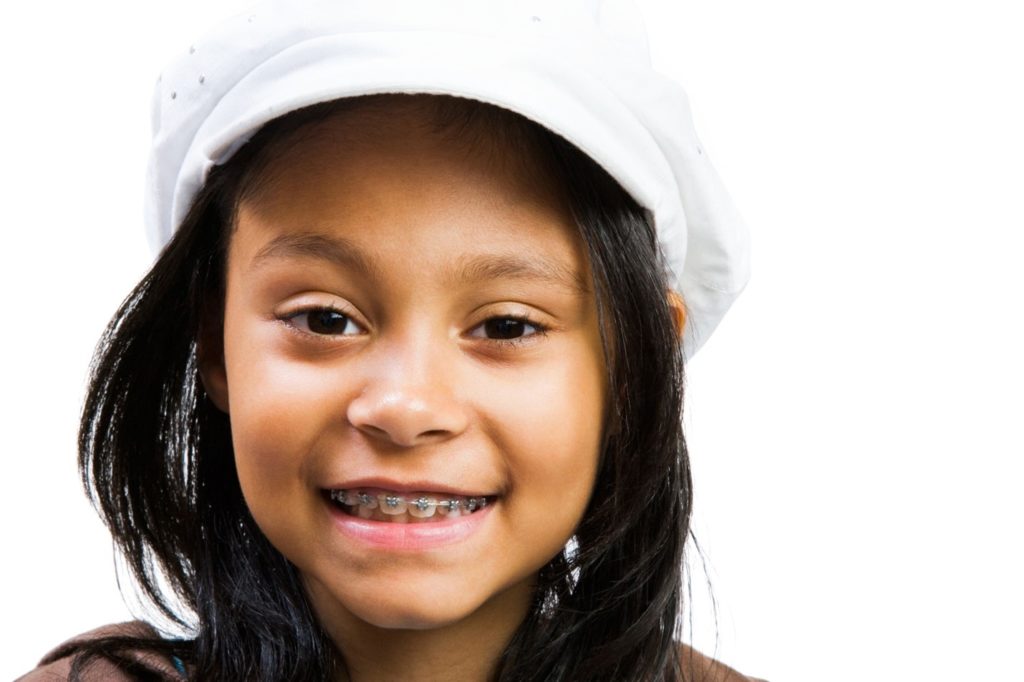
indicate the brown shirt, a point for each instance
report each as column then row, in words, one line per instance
column 56, row 665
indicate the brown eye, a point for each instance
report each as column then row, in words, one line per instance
column 504, row 328
column 327, row 322
column 508, row 329
column 324, row 322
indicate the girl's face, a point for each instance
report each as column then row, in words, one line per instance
column 412, row 322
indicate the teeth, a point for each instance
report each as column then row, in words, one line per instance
column 392, row 505
column 449, row 507
column 399, row 508
column 423, row 507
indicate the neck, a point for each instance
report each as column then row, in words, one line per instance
column 467, row 649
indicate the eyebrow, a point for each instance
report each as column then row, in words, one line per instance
column 470, row 269
column 337, row 251
column 486, row 267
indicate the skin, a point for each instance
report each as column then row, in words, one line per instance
column 412, row 386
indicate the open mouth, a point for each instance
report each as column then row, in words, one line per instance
column 393, row 507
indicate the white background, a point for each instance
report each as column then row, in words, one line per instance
column 855, row 423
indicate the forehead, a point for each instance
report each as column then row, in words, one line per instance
column 395, row 184
column 416, row 131
column 380, row 188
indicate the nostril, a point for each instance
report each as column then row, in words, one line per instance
column 398, row 436
column 374, row 431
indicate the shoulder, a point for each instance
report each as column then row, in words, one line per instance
column 699, row 668
column 55, row 666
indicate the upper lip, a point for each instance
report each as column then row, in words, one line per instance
column 406, row 487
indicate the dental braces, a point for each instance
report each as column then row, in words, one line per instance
column 421, row 502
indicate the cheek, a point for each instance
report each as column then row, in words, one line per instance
column 549, row 425
column 278, row 409
column 275, row 402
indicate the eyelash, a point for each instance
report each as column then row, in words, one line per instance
column 289, row 319
column 540, row 330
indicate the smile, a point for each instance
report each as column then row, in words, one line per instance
column 396, row 507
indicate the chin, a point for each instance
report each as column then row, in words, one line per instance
column 408, row 620
column 418, row 613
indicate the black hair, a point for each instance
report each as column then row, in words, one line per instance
column 156, row 457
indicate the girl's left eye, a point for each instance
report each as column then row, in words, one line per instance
column 323, row 322
column 507, row 329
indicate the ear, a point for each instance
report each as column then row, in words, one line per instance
column 210, row 358
column 678, row 309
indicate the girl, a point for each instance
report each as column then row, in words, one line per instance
column 400, row 397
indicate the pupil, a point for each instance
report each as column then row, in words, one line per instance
column 326, row 321
column 504, row 328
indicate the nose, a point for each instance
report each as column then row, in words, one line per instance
column 408, row 398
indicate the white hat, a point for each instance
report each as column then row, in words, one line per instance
column 581, row 68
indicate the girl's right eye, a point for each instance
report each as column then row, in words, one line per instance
column 323, row 322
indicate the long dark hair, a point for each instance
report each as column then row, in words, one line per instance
column 156, row 455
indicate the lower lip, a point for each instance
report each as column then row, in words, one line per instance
column 408, row 536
